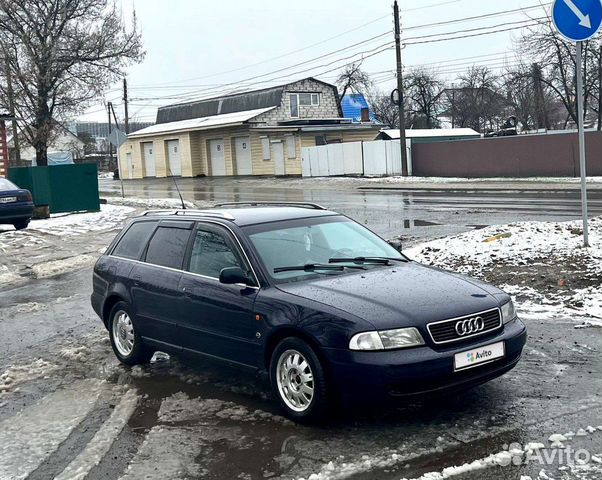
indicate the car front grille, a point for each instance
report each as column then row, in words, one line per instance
column 445, row 331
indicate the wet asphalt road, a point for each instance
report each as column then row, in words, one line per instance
column 224, row 426
column 413, row 214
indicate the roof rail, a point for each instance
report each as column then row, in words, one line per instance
column 203, row 213
column 314, row 206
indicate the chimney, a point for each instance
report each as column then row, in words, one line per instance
column 365, row 115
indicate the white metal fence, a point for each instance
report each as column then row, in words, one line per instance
column 376, row 158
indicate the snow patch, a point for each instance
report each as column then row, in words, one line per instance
column 160, row 203
column 57, row 267
column 167, row 452
column 181, row 408
column 16, row 375
column 32, row 435
column 97, row 448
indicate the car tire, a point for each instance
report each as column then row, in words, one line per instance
column 21, row 224
column 125, row 338
column 302, row 400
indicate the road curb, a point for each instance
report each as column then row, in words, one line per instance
column 473, row 188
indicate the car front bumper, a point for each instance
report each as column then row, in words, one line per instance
column 422, row 370
column 10, row 212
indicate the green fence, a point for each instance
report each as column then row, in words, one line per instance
column 64, row 188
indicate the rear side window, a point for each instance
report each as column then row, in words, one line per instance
column 168, row 247
column 134, row 240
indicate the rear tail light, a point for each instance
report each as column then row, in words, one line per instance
column 25, row 197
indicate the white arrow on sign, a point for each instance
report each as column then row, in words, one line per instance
column 583, row 19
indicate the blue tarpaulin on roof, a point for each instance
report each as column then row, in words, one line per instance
column 352, row 105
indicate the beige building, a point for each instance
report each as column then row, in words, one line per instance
column 252, row 133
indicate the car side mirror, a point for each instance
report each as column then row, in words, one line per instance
column 395, row 243
column 232, row 275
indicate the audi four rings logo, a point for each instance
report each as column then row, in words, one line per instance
column 470, row 325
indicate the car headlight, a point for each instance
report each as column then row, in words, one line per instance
column 508, row 312
column 386, row 339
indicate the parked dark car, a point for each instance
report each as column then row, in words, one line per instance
column 328, row 308
column 16, row 205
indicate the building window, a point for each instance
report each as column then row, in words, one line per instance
column 294, row 106
column 304, row 100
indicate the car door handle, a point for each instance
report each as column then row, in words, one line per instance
column 137, row 279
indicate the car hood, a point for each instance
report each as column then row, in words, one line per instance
column 408, row 294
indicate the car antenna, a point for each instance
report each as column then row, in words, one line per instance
column 177, row 188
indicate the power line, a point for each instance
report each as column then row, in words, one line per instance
column 476, row 29
column 363, row 54
column 469, row 36
column 477, row 17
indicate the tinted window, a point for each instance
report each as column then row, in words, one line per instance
column 133, row 242
column 167, row 247
column 6, row 185
column 211, row 252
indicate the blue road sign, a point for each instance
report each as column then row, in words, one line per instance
column 577, row 20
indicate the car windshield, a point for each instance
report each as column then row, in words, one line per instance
column 317, row 242
column 6, row 185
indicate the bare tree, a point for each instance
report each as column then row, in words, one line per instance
column 353, row 80
column 385, row 111
column 62, row 54
column 530, row 100
column 476, row 101
column 556, row 56
column 424, row 91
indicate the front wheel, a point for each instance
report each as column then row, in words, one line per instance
column 299, row 381
column 125, row 339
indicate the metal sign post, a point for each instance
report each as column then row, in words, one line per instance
column 579, row 69
column 579, row 20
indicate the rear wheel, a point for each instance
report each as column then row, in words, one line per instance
column 21, row 224
column 125, row 339
column 299, row 381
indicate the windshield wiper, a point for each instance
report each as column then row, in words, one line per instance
column 376, row 260
column 312, row 267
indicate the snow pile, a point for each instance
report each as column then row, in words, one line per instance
column 159, row 203
column 57, row 267
column 524, row 245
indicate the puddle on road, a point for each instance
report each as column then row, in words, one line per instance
column 419, row 223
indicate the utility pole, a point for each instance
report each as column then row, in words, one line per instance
column 125, row 105
column 11, row 108
column 108, row 141
column 402, row 130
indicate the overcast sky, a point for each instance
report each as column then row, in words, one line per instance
column 198, row 48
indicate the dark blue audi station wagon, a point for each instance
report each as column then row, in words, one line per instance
column 328, row 308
